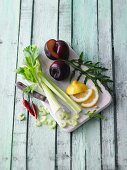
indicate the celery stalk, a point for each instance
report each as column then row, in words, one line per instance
column 55, row 106
column 61, row 94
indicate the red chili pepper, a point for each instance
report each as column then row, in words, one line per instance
column 35, row 110
column 27, row 106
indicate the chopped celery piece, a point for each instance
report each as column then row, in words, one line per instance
column 43, row 119
column 75, row 116
column 67, row 116
column 69, row 122
column 46, row 109
column 64, row 116
column 38, row 123
column 72, row 123
column 21, row 117
column 49, row 121
column 52, row 125
column 43, row 110
column 63, row 124
column 42, row 113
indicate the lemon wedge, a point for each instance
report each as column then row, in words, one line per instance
column 92, row 100
column 82, row 97
column 76, row 87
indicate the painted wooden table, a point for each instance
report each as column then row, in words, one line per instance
column 97, row 27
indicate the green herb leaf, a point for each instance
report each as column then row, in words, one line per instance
column 20, row 70
column 95, row 115
column 94, row 71
column 81, row 57
column 31, row 53
column 72, row 74
column 29, row 89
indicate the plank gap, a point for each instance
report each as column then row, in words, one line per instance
column 101, row 144
column 71, row 22
column 15, row 85
column 27, row 135
column 98, row 60
column 32, row 22
column 85, row 161
column 71, row 151
column 56, row 156
column 27, row 129
column 114, row 90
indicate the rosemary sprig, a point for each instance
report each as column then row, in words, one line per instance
column 93, row 71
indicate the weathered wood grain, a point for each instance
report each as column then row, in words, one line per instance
column 105, row 56
column 120, row 58
column 41, row 141
column 19, row 155
column 63, row 138
column 86, row 140
column 9, row 26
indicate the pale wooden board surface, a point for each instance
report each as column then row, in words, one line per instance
column 96, row 145
column 19, row 154
column 105, row 56
column 9, row 27
column 120, row 58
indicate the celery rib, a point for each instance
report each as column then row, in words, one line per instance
column 55, row 106
column 61, row 94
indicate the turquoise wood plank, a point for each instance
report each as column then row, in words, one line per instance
column 41, row 142
column 20, row 128
column 105, row 56
column 120, row 57
column 86, row 140
column 9, row 26
column 63, row 138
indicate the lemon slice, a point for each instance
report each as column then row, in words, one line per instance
column 76, row 87
column 92, row 100
column 82, row 97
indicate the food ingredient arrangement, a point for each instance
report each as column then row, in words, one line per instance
column 77, row 95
